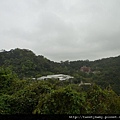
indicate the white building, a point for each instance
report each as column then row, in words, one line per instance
column 57, row 76
column 84, row 83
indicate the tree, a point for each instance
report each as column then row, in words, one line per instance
column 103, row 101
column 62, row 101
column 6, row 79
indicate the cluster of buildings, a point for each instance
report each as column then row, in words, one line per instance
column 62, row 77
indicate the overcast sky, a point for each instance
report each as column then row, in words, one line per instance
column 62, row 29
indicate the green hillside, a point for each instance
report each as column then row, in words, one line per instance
column 53, row 97
column 28, row 65
column 20, row 94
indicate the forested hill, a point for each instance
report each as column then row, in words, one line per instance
column 20, row 94
column 26, row 64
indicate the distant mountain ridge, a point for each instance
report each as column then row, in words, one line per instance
column 25, row 59
column 26, row 64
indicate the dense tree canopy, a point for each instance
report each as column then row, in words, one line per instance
column 54, row 97
column 20, row 94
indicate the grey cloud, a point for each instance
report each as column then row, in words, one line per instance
column 62, row 30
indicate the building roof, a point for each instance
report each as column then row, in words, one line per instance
column 84, row 83
column 85, row 69
column 57, row 76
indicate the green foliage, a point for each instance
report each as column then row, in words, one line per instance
column 103, row 101
column 4, row 104
column 44, row 97
column 23, row 102
column 27, row 65
column 62, row 101
column 28, row 96
column 26, row 99
column 6, row 79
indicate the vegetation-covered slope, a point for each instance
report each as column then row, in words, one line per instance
column 53, row 97
column 20, row 94
column 27, row 65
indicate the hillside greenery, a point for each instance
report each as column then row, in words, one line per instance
column 20, row 94
column 54, row 97
column 26, row 64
